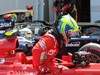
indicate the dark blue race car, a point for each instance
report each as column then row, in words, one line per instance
column 87, row 40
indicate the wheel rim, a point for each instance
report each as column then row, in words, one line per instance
column 93, row 58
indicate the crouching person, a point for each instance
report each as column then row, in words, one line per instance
column 52, row 42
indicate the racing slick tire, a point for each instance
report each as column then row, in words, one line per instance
column 94, row 49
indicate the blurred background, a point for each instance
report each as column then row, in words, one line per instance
column 88, row 10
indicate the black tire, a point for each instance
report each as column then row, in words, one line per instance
column 94, row 49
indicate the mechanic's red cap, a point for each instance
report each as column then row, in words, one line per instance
column 7, row 17
column 29, row 7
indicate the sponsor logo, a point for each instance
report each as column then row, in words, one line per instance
column 5, row 25
column 73, row 44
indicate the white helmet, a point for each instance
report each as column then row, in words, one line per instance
column 26, row 32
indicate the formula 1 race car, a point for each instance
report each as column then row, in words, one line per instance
column 87, row 40
column 70, row 65
column 17, row 63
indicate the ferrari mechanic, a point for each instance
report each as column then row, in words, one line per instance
column 52, row 43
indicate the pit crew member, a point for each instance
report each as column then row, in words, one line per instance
column 53, row 42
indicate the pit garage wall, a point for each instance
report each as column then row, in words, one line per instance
column 95, row 11
column 83, row 7
column 44, row 10
column 38, row 6
column 48, row 12
column 38, row 9
column 8, row 5
column 52, row 13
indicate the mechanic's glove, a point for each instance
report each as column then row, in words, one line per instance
column 80, row 59
column 44, row 69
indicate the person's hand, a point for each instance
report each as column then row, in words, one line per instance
column 43, row 69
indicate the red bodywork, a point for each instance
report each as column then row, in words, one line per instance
column 8, row 44
column 7, row 49
column 20, row 64
column 27, row 69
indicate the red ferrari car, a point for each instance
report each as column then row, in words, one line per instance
column 12, row 63
column 22, row 65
